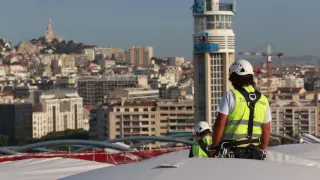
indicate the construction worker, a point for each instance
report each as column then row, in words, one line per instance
column 203, row 141
column 243, row 116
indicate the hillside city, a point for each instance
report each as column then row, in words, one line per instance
column 52, row 87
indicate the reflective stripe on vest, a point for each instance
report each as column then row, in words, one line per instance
column 237, row 125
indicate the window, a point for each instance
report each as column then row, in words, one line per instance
column 145, row 122
column 126, row 109
column 136, row 110
column 219, row 22
column 200, row 23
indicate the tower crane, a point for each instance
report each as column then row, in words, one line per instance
column 268, row 56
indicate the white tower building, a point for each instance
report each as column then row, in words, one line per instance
column 214, row 51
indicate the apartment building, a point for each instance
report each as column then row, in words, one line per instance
column 139, row 55
column 68, row 81
column 63, row 108
column 262, row 84
column 143, row 118
column 312, row 81
column 175, row 61
column 173, row 92
column 90, row 54
column 93, row 89
column 293, row 112
column 39, row 124
column 133, row 93
column 292, row 118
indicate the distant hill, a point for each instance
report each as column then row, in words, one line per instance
column 286, row 61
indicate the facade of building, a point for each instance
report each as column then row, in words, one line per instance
column 16, row 120
column 138, row 55
column 94, row 89
column 312, row 82
column 99, row 122
column 133, row 93
column 294, row 111
column 64, row 110
column 142, row 118
column 176, row 61
column 213, row 53
column 90, row 54
column 39, row 124
column 293, row 118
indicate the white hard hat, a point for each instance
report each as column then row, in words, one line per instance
column 241, row 67
column 301, row 141
column 202, row 126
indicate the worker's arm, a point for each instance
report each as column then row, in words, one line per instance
column 265, row 137
column 218, row 128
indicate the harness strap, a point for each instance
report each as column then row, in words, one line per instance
column 204, row 147
column 251, row 98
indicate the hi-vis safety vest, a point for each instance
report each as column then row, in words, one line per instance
column 199, row 152
column 237, row 124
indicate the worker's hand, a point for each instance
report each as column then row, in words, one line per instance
column 263, row 154
column 212, row 153
column 213, row 150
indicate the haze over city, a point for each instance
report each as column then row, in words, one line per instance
column 289, row 25
column 171, row 90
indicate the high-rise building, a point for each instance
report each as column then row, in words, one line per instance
column 16, row 120
column 214, row 51
column 139, row 55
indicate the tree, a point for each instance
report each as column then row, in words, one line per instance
column 4, row 140
column 67, row 134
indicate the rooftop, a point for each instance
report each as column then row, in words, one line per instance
column 294, row 162
column 136, row 103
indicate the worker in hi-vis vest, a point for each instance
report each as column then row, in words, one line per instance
column 243, row 116
column 203, row 141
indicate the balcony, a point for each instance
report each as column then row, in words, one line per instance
column 209, row 6
column 226, row 7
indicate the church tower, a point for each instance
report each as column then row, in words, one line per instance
column 49, row 32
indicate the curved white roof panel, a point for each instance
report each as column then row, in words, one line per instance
column 308, row 151
column 294, row 162
column 48, row 169
column 177, row 165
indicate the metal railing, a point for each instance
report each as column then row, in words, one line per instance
column 209, row 6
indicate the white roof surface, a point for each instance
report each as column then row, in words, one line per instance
column 177, row 165
column 308, row 151
column 46, row 168
column 294, row 162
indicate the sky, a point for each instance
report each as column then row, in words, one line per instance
column 290, row 26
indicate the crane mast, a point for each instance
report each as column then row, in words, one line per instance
column 269, row 56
